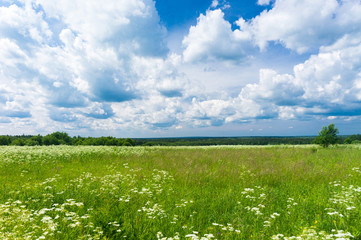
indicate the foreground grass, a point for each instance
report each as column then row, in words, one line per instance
column 281, row 192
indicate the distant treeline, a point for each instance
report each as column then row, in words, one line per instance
column 62, row 138
column 208, row 141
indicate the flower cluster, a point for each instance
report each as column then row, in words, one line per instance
column 309, row 233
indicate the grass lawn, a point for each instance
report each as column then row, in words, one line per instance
column 229, row 192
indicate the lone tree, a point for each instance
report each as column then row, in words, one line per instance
column 327, row 136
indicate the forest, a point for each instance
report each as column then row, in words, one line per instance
column 63, row 138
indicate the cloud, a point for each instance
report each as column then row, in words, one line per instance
column 304, row 30
column 271, row 88
column 72, row 62
column 18, row 114
column 213, row 39
column 332, row 76
column 171, row 93
column 94, row 45
column 209, row 112
column 263, row 2
column 304, row 26
column 10, row 53
column 160, row 76
column 61, row 115
column 214, row 4
column 129, row 26
column 99, row 111
column 220, row 4
column 22, row 22
column 152, row 112
column 326, row 84
column 105, row 66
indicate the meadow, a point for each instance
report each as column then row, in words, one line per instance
column 223, row 192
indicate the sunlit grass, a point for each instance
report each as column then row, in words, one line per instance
column 220, row 192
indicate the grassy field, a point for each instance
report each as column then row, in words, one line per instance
column 281, row 192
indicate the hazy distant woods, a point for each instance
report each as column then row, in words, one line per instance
column 62, row 138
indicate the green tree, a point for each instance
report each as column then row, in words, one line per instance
column 327, row 136
column 18, row 142
column 129, row 142
column 5, row 140
column 31, row 142
column 38, row 139
column 50, row 140
column 62, row 137
column 353, row 139
column 77, row 140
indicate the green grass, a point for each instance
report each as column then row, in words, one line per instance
column 270, row 192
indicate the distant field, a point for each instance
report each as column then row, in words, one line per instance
column 222, row 192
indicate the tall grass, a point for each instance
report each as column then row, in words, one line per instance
column 282, row 192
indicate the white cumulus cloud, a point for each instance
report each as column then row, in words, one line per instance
column 214, row 4
column 263, row 2
column 327, row 83
column 213, row 38
column 304, row 26
column 90, row 65
column 76, row 58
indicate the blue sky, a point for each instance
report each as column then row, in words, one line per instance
column 176, row 13
column 144, row 68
